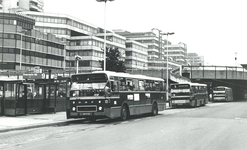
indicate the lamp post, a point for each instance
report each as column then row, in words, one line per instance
column 104, row 31
column 168, row 33
column 77, row 57
column 64, row 55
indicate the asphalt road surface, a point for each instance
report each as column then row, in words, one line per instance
column 217, row 126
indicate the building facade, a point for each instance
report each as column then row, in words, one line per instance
column 141, row 50
column 136, row 55
column 82, row 38
column 24, row 48
column 22, row 5
column 156, row 49
column 153, row 46
column 177, row 53
column 195, row 60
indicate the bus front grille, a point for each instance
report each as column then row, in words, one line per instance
column 89, row 108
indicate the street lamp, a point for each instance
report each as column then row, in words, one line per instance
column 168, row 33
column 77, row 57
column 104, row 31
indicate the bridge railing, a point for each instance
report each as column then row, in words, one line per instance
column 215, row 72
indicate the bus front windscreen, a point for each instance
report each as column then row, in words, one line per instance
column 87, row 89
column 86, row 78
column 180, row 86
column 180, row 89
column 219, row 89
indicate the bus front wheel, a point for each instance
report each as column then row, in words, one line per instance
column 124, row 113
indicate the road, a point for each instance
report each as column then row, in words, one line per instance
column 217, row 126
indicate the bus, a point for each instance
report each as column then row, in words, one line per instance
column 106, row 94
column 189, row 94
column 222, row 93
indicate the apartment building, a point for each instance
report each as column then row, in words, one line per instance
column 24, row 48
column 136, row 55
column 141, row 50
column 22, row 5
column 82, row 38
column 153, row 46
column 157, row 49
column 177, row 53
column 194, row 59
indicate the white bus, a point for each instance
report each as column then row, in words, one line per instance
column 190, row 94
column 222, row 93
column 113, row 95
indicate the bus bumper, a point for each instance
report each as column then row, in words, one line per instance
column 85, row 115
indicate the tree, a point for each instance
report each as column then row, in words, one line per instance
column 113, row 60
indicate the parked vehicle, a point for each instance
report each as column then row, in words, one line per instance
column 110, row 94
column 222, row 93
column 190, row 94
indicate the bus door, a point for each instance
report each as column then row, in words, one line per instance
column 21, row 101
column 1, row 99
column 133, row 96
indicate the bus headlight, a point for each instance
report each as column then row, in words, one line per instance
column 73, row 102
column 100, row 108
column 73, row 108
column 99, row 102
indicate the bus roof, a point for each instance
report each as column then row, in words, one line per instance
column 222, row 87
column 190, row 83
column 126, row 75
column 9, row 80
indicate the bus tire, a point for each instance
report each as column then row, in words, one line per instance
column 154, row 109
column 204, row 102
column 124, row 113
column 195, row 103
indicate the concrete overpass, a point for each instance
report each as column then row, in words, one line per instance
column 234, row 77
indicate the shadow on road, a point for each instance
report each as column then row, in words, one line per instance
column 108, row 120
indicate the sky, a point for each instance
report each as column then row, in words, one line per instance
column 215, row 29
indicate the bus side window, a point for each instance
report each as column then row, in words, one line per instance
column 153, row 86
column 114, row 84
column 135, row 86
column 161, row 86
column 132, row 84
column 122, row 84
column 157, row 86
column 141, row 85
column 147, row 85
column 192, row 89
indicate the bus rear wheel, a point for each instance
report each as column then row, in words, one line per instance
column 194, row 104
column 124, row 113
column 154, row 109
column 204, row 102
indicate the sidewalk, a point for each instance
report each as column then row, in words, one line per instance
column 34, row 121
